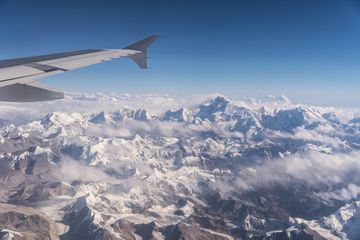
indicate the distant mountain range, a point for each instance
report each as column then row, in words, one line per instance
column 215, row 169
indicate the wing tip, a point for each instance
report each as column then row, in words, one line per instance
column 142, row 45
column 141, row 58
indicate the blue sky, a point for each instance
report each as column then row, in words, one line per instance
column 308, row 50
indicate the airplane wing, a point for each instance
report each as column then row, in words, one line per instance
column 17, row 76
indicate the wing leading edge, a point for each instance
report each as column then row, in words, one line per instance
column 17, row 76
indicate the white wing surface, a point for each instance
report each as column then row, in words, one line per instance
column 17, row 76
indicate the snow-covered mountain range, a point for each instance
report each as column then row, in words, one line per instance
column 158, row 167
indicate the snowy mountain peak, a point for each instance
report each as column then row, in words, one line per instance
column 120, row 115
column 345, row 221
column 290, row 119
column 219, row 103
column 61, row 118
column 342, row 224
column 101, row 118
column 219, row 108
column 142, row 115
column 182, row 115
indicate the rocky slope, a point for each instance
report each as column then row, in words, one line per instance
column 219, row 169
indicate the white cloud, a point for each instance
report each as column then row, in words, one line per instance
column 313, row 168
column 70, row 170
column 350, row 192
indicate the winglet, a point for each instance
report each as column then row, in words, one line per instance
column 141, row 58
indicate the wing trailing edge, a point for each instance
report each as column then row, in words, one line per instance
column 30, row 92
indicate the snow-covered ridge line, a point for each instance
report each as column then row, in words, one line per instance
column 154, row 104
column 220, row 115
column 216, row 167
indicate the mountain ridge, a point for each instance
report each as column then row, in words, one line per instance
column 213, row 170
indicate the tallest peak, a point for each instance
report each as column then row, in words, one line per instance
column 219, row 99
column 219, row 102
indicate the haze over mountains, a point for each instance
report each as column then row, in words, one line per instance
column 158, row 167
